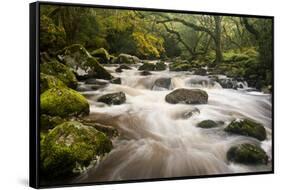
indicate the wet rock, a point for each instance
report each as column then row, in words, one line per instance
column 247, row 127
column 207, row 124
column 113, row 98
column 145, row 73
column 147, row 67
column 49, row 81
column 70, row 147
column 121, row 67
column 187, row 96
column 200, row 71
column 106, row 129
column 162, row 84
column 160, row 66
column 247, row 154
column 127, row 59
column 49, row 122
column 116, row 81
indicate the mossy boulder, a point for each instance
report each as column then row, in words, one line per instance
column 102, row 55
column 180, row 66
column 145, row 73
column 116, row 98
column 82, row 63
column 116, row 81
column 49, row 81
column 71, row 147
column 247, row 127
column 147, row 67
column 206, row 124
column 127, row 59
column 160, row 66
column 52, row 37
column 187, row 96
column 63, row 102
column 247, row 154
column 60, row 71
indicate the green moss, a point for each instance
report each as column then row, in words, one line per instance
column 63, row 102
column 160, row 66
column 49, row 122
column 60, row 71
column 48, row 81
column 147, row 67
column 98, row 70
column 179, row 66
column 247, row 127
column 102, row 54
column 247, row 154
column 70, row 147
column 207, row 124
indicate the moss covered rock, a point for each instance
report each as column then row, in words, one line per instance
column 49, row 122
column 247, row 154
column 102, row 55
column 207, row 124
column 127, row 59
column 162, row 84
column 60, row 71
column 113, row 98
column 187, row 96
column 247, row 127
column 160, row 66
column 180, row 66
column 70, row 147
column 82, row 63
column 49, row 81
column 147, row 67
column 63, row 102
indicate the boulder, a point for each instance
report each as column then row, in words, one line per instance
column 200, row 71
column 187, row 96
column 247, row 127
column 63, row 102
column 82, row 63
column 160, row 66
column 116, row 81
column 49, row 122
column 69, row 148
column 49, row 81
column 113, row 98
column 247, row 154
column 147, row 67
column 102, row 55
column 145, row 73
column 60, row 71
column 162, row 84
column 127, row 59
column 207, row 124
column 121, row 67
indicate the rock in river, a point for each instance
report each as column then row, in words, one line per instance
column 187, row 96
column 113, row 98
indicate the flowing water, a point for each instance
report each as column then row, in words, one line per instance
column 159, row 140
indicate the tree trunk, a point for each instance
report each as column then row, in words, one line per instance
column 217, row 39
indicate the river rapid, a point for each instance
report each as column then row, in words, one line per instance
column 159, row 140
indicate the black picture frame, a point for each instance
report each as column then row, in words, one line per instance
column 34, row 92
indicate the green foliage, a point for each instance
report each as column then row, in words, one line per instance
column 48, row 81
column 63, row 102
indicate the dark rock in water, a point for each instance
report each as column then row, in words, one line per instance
column 113, row 98
column 82, row 63
column 116, row 81
column 118, row 70
column 207, row 124
column 247, row 127
column 160, row 66
column 102, row 55
column 96, row 81
column 180, row 66
column 97, row 87
column 200, row 71
column 60, row 71
column 147, row 67
column 69, row 147
column 247, row 154
column 228, row 83
column 63, row 102
column 162, row 83
column 127, row 59
column 187, row 96
column 145, row 73
column 186, row 114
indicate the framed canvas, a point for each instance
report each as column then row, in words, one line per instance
column 121, row 94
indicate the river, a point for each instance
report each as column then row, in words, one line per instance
column 159, row 140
